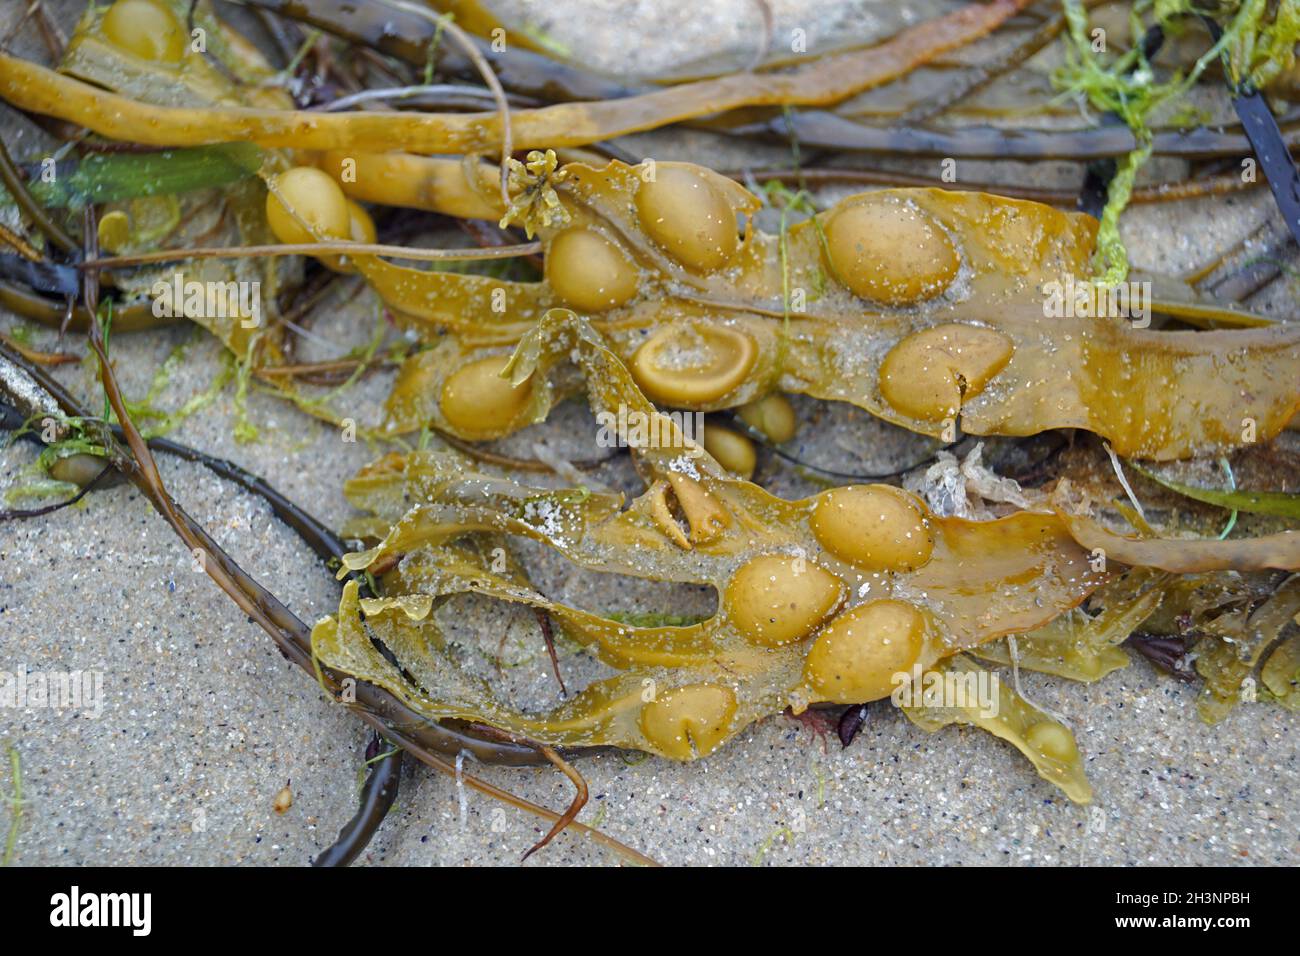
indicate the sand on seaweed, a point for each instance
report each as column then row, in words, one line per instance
column 202, row 722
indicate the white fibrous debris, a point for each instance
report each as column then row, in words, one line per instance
column 1119, row 473
column 460, row 787
column 964, row 489
column 1065, row 497
column 565, row 469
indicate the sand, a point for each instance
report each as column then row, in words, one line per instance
column 201, row 722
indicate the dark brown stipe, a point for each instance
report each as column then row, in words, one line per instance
column 378, row 794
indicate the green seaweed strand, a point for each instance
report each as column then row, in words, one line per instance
column 1128, row 89
column 16, row 806
column 147, row 407
column 1258, row 54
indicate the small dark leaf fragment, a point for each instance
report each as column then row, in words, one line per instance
column 851, row 722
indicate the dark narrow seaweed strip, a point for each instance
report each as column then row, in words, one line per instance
column 611, row 149
column 1247, row 281
column 580, row 796
column 821, row 129
column 1274, row 156
column 380, row 788
column 548, row 635
column 292, row 636
column 375, row 706
column 1190, row 188
column 478, row 453
column 735, row 422
column 978, row 77
column 16, row 27
column 1268, row 143
column 60, row 505
column 314, row 533
column 209, row 57
column 377, row 796
column 13, row 182
column 1250, row 275
column 306, row 298
column 318, row 536
column 52, row 36
column 435, row 100
column 279, row 35
column 406, row 38
column 263, row 607
column 130, row 318
column 40, row 276
column 1254, row 275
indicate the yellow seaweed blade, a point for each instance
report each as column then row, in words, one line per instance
column 1048, row 744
